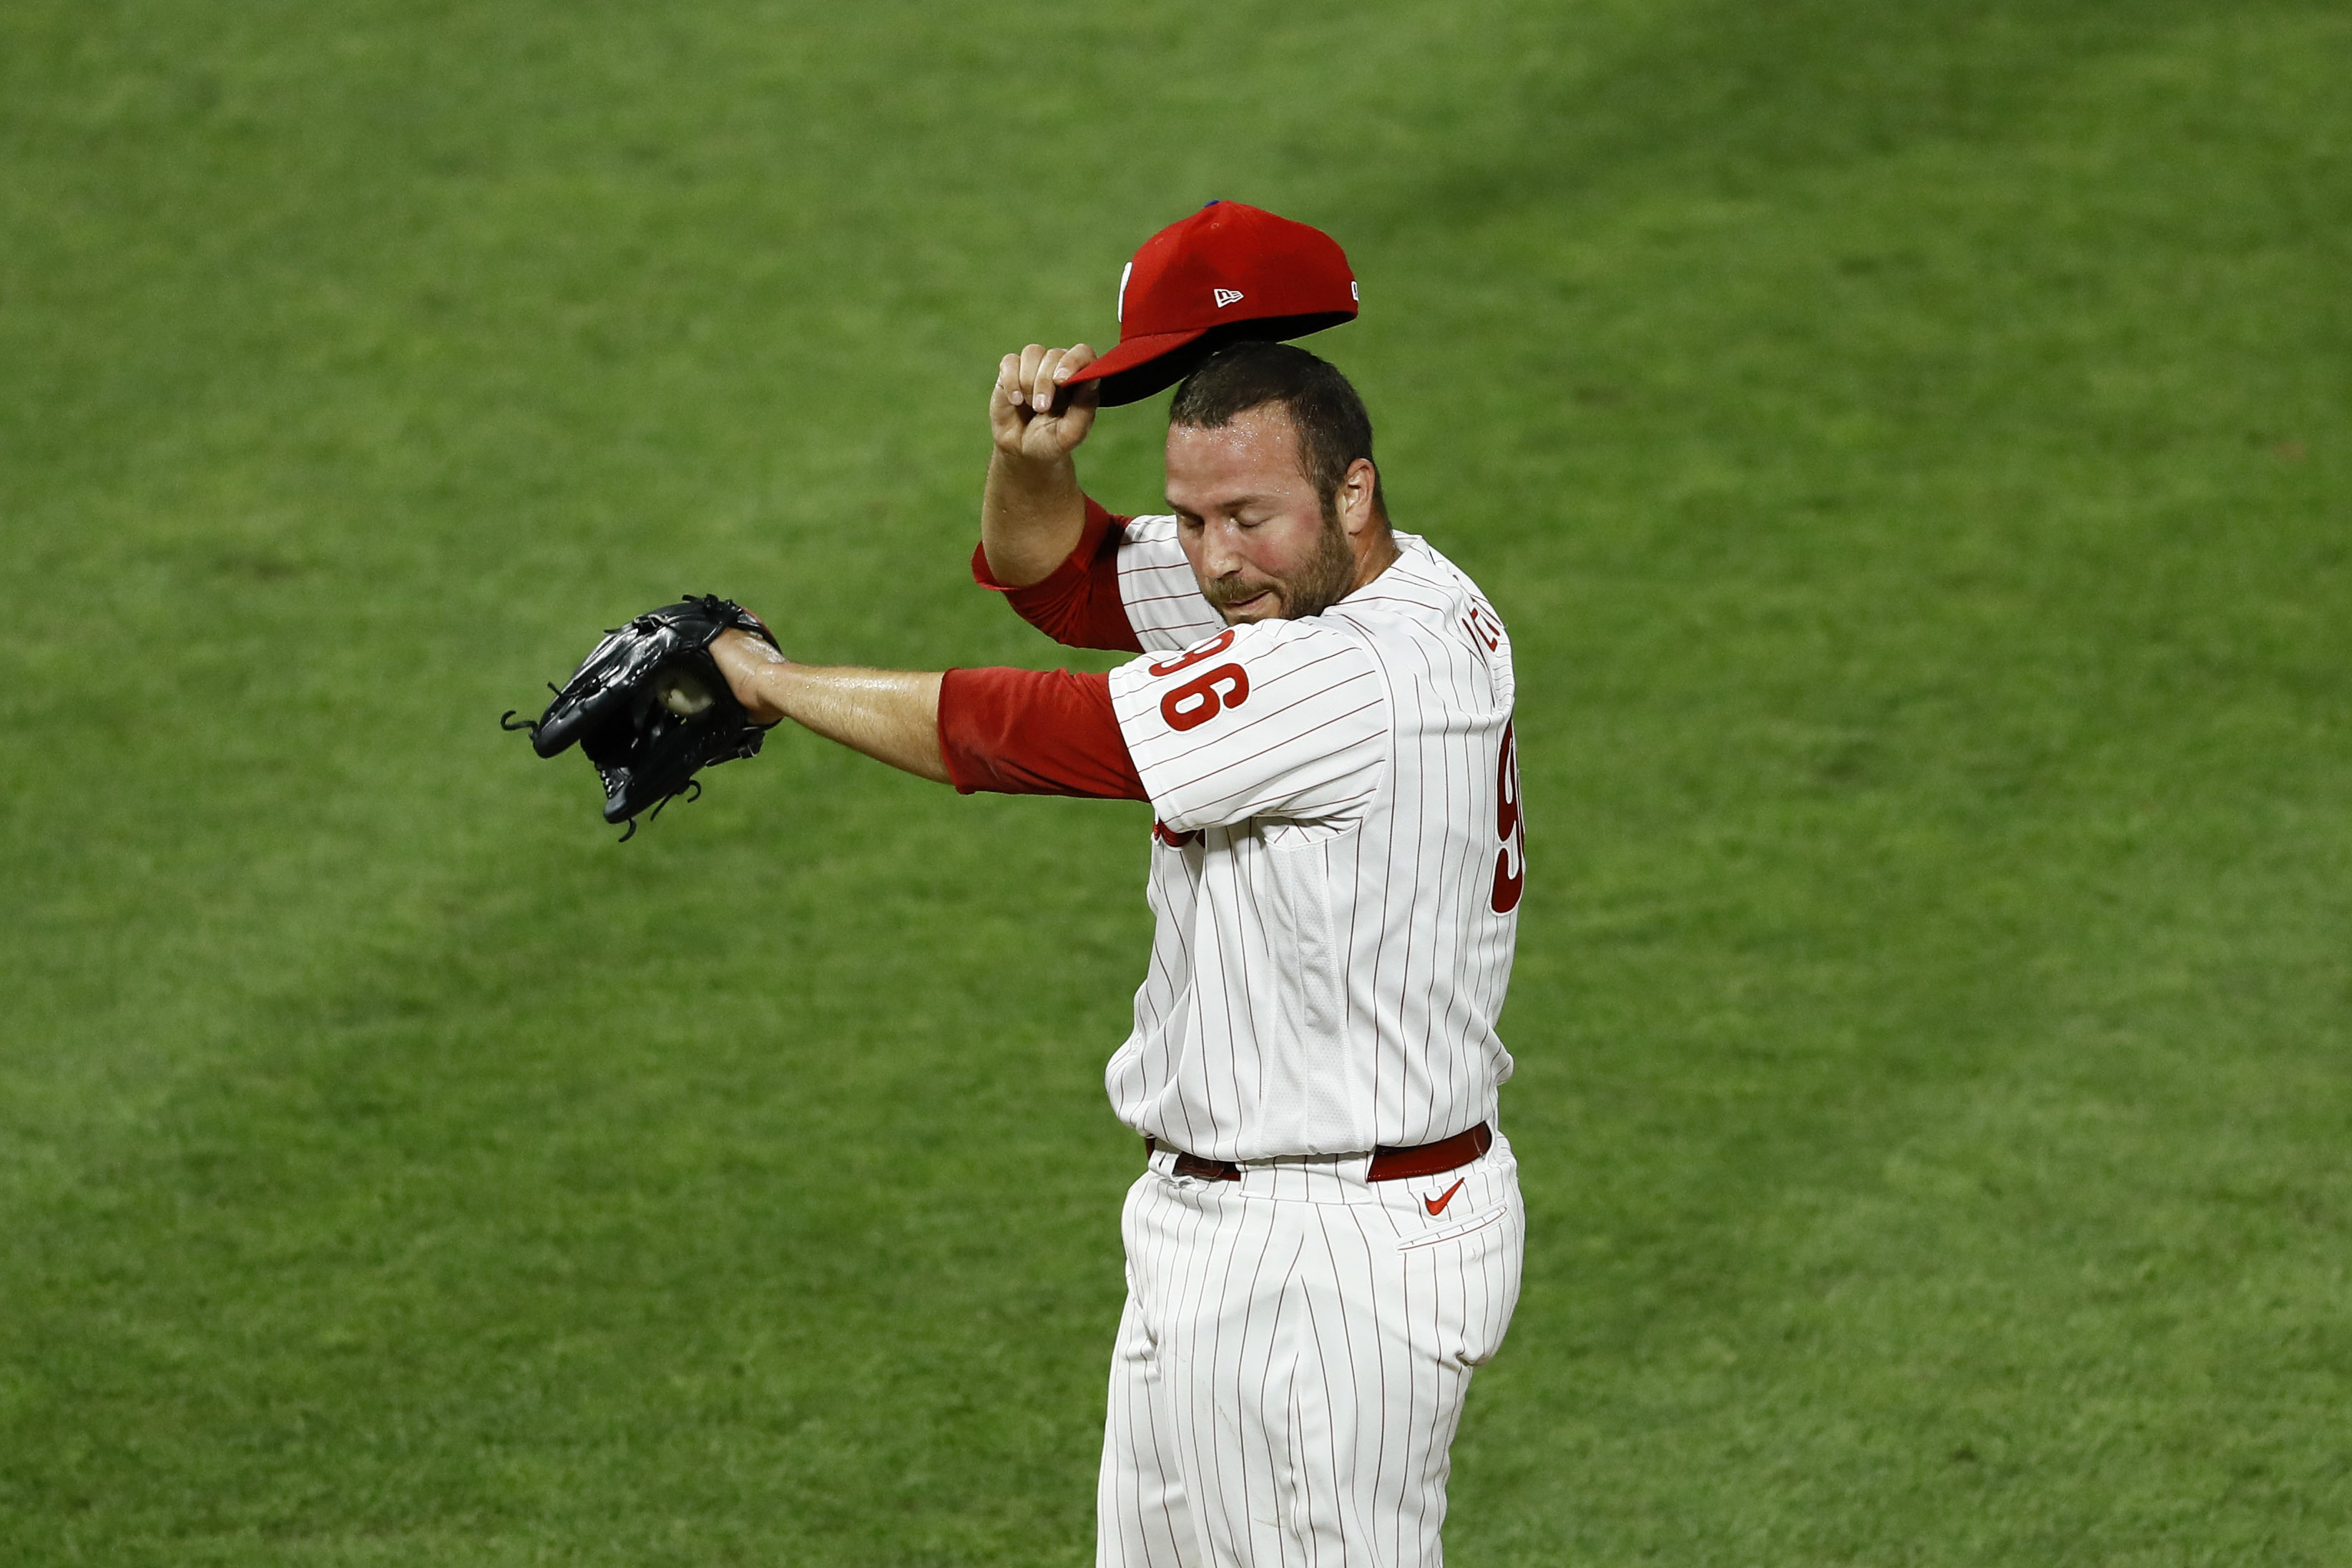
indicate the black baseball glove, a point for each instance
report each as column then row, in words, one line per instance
column 650, row 707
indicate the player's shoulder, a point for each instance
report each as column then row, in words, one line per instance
column 1156, row 588
column 1307, row 641
column 1311, row 673
column 1148, row 530
column 1421, row 589
column 1148, row 545
column 1425, row 613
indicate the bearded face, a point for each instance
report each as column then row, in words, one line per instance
column 1328, row 577
column 1264, row 546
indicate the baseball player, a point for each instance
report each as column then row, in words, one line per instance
column 1327, row 1238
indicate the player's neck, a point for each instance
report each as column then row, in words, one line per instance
column 1376, row 555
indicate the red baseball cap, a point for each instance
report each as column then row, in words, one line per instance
column 1227, row 273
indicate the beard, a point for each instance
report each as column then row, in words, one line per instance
column 1327, row 579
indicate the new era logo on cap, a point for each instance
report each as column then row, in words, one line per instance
column 1228, row 271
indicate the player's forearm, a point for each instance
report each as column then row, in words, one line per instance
column 891, row 715
column 1031, row 515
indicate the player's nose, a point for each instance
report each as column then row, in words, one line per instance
column 1220, row 554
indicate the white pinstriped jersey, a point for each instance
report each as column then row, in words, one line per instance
column 1337, row 866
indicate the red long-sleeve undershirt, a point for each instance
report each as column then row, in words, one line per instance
column 1078, row 605
column 1028, row 732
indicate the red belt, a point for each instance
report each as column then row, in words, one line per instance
column 1388, row 1164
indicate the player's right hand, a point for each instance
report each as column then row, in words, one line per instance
column 1031, row 414
column 749, row 665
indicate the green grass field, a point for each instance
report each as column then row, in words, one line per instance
column 1910, row 442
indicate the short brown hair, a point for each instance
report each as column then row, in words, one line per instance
column 1332, row 427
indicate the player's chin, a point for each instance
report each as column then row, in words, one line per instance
column 1264, row 606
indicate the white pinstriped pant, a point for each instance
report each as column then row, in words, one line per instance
column 1293, row 1358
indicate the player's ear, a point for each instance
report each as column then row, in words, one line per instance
column 1359, row 495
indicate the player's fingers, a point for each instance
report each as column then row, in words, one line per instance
column 1067, row 364
column 1078, row 413
column 1043, row 382
column 1024, row 378
column 1007, row 395
column 1005, row 416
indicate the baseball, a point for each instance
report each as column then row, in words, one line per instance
column 683, row 694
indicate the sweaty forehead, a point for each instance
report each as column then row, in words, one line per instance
column 1253, row 453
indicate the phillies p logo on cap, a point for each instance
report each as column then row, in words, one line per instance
column 1228, row 273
